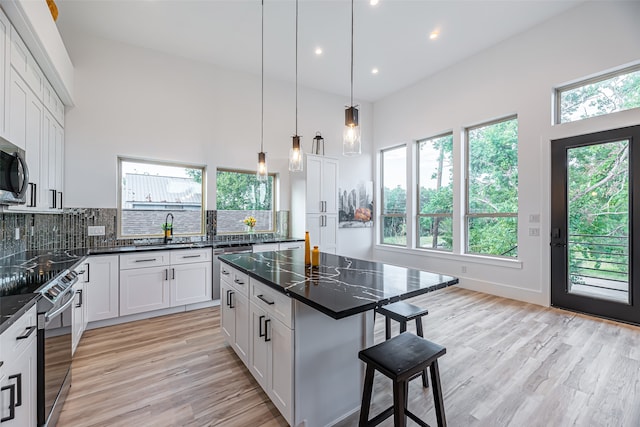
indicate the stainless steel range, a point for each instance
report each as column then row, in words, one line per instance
column 54, row 346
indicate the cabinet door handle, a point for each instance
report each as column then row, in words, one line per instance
column 231, row 294
column 79, row 292
column 18, row 378
column 266, row 300
column 239, row 282
column 266, row 336
column 54, row 198
column 192, row 256
column 32, row 203
column 145, row 260
column 166, row 274
column 225, row 272
column 60, row 207
column 12, row 402
column 260, row 333
column 173, row 274
column 27, row 333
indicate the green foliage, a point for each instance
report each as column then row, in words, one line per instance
column 195, row 174
column 242, row 191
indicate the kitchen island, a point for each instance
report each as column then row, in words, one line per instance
column 299, row 330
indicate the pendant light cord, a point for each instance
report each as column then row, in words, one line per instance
column 296, row 67
column 352, row 53
column 262, row 86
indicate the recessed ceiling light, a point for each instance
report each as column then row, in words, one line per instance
column 318, row 51
column 374, row 71
column 434, row 34
column 373, row 2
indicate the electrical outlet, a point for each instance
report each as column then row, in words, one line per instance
column 534, row 218
column 534, row 232
column 464, row 268
column 95, row 230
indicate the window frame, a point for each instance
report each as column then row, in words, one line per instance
column 119, row 216
column 467, row 214
column 417, row 195
column 382, row 199
column 274, row 198
column 557, row 92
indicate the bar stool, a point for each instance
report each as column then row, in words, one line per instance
column 400, row 359
column 404, row 312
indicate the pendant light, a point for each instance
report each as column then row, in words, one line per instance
column 351, row 144
column 295, row 154
column 262, row 174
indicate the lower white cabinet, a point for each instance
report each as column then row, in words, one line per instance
column 101, row 287
column 234, row 301
column 163, row 279
column 266, row 326
column 18, row 385
column 79, row 314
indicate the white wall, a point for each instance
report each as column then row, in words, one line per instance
column 514, row 77
column 140, row 103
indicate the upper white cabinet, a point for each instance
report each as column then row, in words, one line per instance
column 33, row 119
column 314, row 202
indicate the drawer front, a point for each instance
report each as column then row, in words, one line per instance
column 188, row 256
column 266, row 247
column 235, row 278
column 273, row 302
column 144, row 259
column 16, row 337
column 291, row 245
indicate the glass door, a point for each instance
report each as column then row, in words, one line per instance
column 592, row 223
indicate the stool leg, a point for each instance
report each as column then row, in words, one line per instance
column 366, row 396
column 438, row 402
column 387, row 328
column 425, row 381
column 399, row 404
column 403, row 327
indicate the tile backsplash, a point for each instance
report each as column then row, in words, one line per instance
column 69, row 230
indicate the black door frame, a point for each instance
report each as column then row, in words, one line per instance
column 560, row 297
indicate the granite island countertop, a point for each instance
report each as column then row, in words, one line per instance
column 340, row 286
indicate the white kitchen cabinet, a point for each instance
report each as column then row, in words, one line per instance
column 18, row 383
column 299, row 244
column 144, row 289
column 314, row 202
column 163, row 279
column 265, row 247
column 234, row 301
column 78, row 315
column 53, row 162
column 271, row 345
column 25, row 64
column 5, row 40
column 101, row 287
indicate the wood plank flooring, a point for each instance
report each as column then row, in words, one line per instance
column 508, row 363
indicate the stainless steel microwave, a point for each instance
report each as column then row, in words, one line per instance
column 14, row 174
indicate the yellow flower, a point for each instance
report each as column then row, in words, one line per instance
column 250, row 221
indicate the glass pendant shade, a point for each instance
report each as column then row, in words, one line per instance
column 351, row 144
column 262, row 174
column 295, row 155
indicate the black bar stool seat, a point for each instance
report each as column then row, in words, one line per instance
column 404, row 312
column 400, row 359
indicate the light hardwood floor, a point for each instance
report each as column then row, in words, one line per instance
column 507, row 364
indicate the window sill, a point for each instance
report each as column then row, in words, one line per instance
column 466, row 258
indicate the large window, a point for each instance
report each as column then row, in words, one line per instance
column 604, row 95
column 435, row 193
column 394, row 196
column 492, row 188
column 239, row 195
column 149, row 191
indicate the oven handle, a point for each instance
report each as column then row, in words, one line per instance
column 49, row 315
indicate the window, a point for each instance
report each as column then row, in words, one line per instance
column 149, row 191
column 240, row 195
column 604, row 95
column 394, row 196
column 492, row 188
column 435, row 193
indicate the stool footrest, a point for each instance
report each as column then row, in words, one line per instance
column 414, row 418
column 380, row 417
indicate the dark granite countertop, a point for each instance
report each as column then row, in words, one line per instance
column 341, row 286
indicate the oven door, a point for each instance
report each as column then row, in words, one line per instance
column 54, row 360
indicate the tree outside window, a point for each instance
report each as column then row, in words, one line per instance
column 435, row 193
column 394, row 196
column 492, row 189
column 240, row 195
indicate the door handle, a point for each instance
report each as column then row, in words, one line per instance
column 260, row 333
column 79, row 292
column 266, row 336
column 18, row 378
column 27, row 333
column 231, row 294
column 12, row 402
column 265, row 300
column 173, row 274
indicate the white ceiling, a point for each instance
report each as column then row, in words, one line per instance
column 392, row 36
